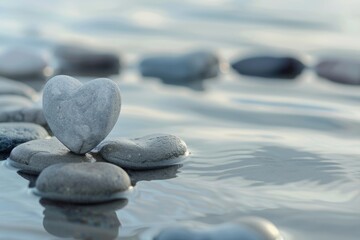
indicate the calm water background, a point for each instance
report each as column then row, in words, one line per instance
column 284, row 150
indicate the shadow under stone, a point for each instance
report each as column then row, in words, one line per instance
column 30, row 177
column 90, row 222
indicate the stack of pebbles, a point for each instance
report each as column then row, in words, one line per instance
column 81, row 116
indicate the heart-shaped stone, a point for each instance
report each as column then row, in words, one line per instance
column 81, row 115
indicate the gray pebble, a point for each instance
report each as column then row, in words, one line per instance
column 10, row 87
column 176, row 69
column 13, row 134
column 83, row 182
column 81, row 115
column 23, row 114
column 36, row 155
column 149, row 152
column 246, row 229
column 10, row 101
column 81, row 61
column 341, row 71
column 20, row 63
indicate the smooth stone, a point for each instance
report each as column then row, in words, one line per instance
column 23, row 114
column 20, row 63
column 269, row 67
column 83, row 182
column 13, row 134
column 34, row 156
column 149, row 152
column 10, row 87
column 341, row 71
column 9, row 101
column 78, row 60
column 246, row 229
column 81, row 115
column 181, row 68
column 76, row 221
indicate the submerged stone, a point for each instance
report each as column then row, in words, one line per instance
column 83, row 182
column 10, row 87
column 149, row 152
column 77, row 60
column 13, row 134
column 177, row 69
column 36, row 155
column 246, row 229
column 269, row 67
column 81, row 115
column 341, row 71
column 19, row 63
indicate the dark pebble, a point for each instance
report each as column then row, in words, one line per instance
column 23, row 114
column 81, row 61
column 340, row 71
column 13, row 134
column 269, row 67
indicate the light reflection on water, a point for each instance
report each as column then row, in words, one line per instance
column 286, row 151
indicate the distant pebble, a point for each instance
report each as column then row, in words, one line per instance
column 9, row 101
column 11, row 87
column 81, row 61
column 149, row 152
column 83, row 182
column 341, row 71
column 23, row 114
column 20, row 63
column 246, row 229
column 269, row 67
column 181, row 68
column 36, row 155
column 13, row 134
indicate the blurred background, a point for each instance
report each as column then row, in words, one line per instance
column 264, row 93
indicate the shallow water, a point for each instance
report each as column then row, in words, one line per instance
column 284, row 150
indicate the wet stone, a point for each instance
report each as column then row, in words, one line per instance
column 13, row 134
column 36, row 155
column 20, row 63
column 269, row 67
column 11, row 87
column 177, row 69
column 23, row 114
column 77, row 60
column 149, row 152
column 81, row 115
column 83, row 182
column 341, row 71
column 246, row 229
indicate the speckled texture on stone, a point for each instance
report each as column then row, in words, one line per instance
column 10, row 101
column 338, row 70
column 13, row 134
column 149, row 152
column 269, row 67
column 19, row 63
column 36, row 155
column 10, row 87
column 82, row 182
column 182, row 68
column 81, row 115
column 23, row 114
column 246, row 229
column 78, row 60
